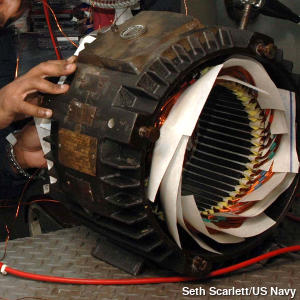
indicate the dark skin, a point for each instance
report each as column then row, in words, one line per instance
column 9, row 10
column 18, row 99
column 28, row 149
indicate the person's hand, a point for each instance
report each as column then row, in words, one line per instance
column 14, row 97
column 28, row 150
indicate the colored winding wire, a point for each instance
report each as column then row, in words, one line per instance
column 261, row 123
column 186, row 7
column 166, row 108
column 264, row 147
column 240, row 73
column 58, row 25
column 17, row 67
column 247, row 100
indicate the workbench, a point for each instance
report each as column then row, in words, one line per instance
column 67, row 253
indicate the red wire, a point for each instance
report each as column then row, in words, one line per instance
column 31, row 202
column 254, row 260
column 219, row 272
column 293, row 217
column 53, row 39
column 59, row 27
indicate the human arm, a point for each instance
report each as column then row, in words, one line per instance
column 14, row 96
column 27, row 152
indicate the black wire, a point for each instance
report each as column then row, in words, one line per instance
column 17, row 212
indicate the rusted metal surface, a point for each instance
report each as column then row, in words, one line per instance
column 77, row 151
column 80, row 190
column 150, row 133
column 81, row 113
column 131, row 55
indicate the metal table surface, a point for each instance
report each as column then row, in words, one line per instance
column 67, row 253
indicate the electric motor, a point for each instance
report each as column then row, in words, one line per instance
column 109, row 130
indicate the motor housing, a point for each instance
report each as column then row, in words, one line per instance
column 103, row 130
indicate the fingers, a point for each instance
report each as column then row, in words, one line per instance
column 35, row 100
column 33, row 110
column 43, row 86
column 53, row 69
column 47, row 87
column 13, row 96
column 72, row 59
column 28, row 138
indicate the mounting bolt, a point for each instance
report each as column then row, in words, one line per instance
column 268, row 51
column 149, row 133
column 199, row 264
column 114, row 27
column 246, row 16
column 248, row 5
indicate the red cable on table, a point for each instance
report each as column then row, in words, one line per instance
column 37, row 277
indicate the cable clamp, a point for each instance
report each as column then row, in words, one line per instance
column 2, row 270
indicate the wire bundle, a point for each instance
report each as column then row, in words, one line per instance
column 231, row 153
column 232, row 140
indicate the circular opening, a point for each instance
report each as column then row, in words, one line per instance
column 223, row 157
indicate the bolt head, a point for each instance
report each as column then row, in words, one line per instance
column 199, row 264
column 150, row 133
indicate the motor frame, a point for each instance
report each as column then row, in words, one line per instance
column 116, row 93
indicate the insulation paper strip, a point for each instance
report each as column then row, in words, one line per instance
column 181, row 121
